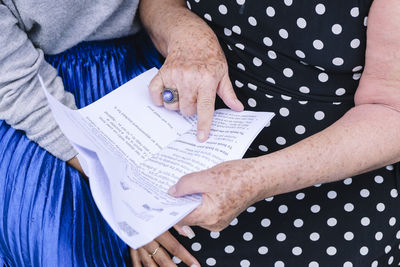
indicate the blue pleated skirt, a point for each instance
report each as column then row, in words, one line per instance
column 47, row 214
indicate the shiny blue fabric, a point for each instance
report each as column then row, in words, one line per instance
column 47, row 214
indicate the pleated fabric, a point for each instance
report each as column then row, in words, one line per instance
column 47, row 214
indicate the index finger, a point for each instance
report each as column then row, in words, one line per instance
column 169, row 242
column 205, row 112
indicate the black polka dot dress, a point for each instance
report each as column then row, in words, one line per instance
column 301, row 59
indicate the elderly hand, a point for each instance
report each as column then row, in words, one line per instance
column 227, row 189
column 155, row 253
column 196, row 67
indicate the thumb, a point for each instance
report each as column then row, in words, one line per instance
column 227, row 94
column 187, row 185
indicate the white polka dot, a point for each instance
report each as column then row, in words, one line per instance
column 252, row 102
column 288, row 72
column 315, row 208
column 331, row 222
column 271, row 54
column 347, row 264
column 380, row 207
column 347, row 181
column 358, row 68
column 176, row 260
column 378, row 179
column 238, row 84
column 270, row 80
column 374, row 263
column 263, row 148
column 354, row 12
column 197, row 1
column 229, row 47
column 282, row 209
column 337, row 61
column 240, row 2
column 340, row 91
column 348, row 207
column 244, row 263
column 247, row 236
column 297, row 251
column 389, row 167
column 284, row 112
column 236, row 29
column 207, row 17
column 394, row 193
column 279, row 264
column 214, row 235
column 378, row 236
column 234, row 222
column 222, row 9
column 240, row 46
column 355, row 43
column 285, row 97
column 269, row 199
column 270, row 11
column 319, row 115
column 267, row 41
column 390, row 261
column 196, row 246
column 313, row 264
column 392, row 221
column 314, row 236
column 356, row 76
column 323, row 77
column 318, row 44
column 211, row 261
column 251, row 209
column 188, row 5
column 280, row 140
column 229, row 249
column 336, row 28
column 332, row 194
column 301, row 23
column 298, row 223
column 257, row 62
column 365, row 21
column 263, row 250
column 252, row 21
column 227, row 32
column 388, row 249
column 331, row 251
column 348, row 236
column 281, row 237
column 300, row 196
column 240, row 66
column 364, row 250
column 300, row 54
column 265, row 222
column 288, row 2
column 365, row 221
column 300, row 129
column 320, row 9
column 283, row 33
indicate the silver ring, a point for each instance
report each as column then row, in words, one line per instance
column 170, row 96
column 151, row 255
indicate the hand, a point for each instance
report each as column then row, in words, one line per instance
column 165, row 242
column 74, row 162
column 196, row 67
column 227, row 189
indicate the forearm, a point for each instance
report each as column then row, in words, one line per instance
column 169, row 22
column 365, row 138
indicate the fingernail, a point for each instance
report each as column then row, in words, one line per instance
column 188, row 232
column 172, row 191
column 201, row 135
column 237, row 102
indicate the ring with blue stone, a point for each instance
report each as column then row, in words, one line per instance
column 170, row 96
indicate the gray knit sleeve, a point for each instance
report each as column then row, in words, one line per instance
column 22, row 103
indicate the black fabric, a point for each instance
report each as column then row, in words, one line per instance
column 301, row 59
